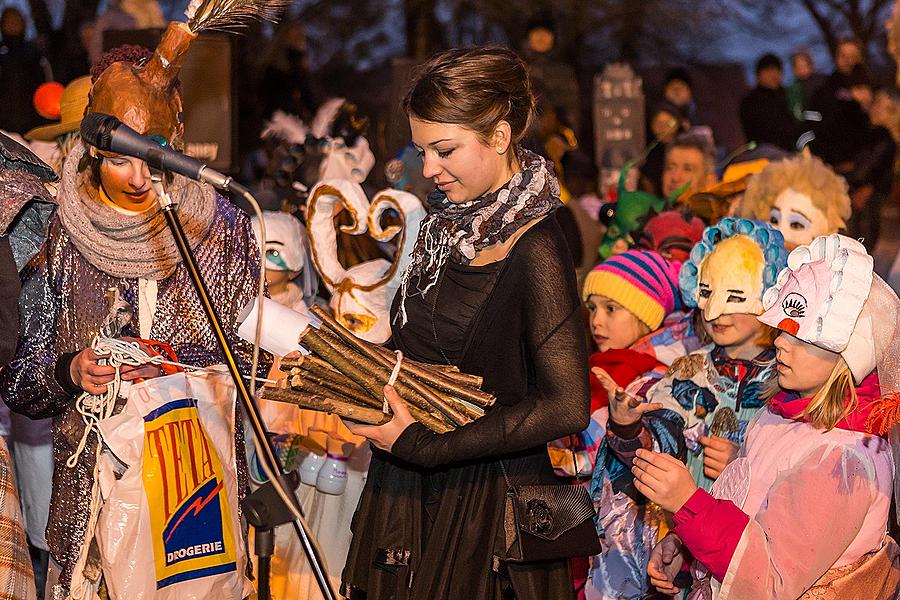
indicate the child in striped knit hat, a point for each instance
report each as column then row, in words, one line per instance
column 639, row 326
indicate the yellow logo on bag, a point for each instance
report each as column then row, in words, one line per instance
column 190, row 517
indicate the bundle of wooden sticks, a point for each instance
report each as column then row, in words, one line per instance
column 345, row 375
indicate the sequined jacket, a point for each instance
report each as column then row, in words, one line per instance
column 64, row 301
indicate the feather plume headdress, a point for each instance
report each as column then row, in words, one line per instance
column 231, row 15
column 143, row 96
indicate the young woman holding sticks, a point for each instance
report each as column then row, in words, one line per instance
column 491, row 290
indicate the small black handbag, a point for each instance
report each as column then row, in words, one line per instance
column 548, row 522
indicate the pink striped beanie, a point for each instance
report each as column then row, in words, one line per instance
column 642, row 281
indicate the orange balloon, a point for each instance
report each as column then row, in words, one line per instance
column 47, row 98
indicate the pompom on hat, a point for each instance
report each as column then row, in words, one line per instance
column 643, row 282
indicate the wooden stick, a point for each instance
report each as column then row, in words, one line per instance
column 311, row 386
column 326, row 403
column 458, row 384
column 470, row 411
column 450, row 373
column 318, row 369
column 344, row 386
column 424, row 373
column 443, row 404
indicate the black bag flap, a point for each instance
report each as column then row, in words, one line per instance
column 548, row 511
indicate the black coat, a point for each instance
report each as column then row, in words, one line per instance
column 766, row 118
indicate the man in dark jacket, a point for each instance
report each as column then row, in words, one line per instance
column 765, row 116
column 843, row 130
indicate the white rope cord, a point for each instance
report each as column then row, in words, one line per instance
column 385, row 408
column 94, row 409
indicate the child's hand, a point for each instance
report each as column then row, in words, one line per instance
column 623, row 409
column 665, row 563
column 663, row 479
column 717, row 453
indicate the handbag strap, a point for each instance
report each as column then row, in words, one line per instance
column 505, row 476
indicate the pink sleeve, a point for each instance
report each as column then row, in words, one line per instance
column 711, row 530
column 811, row 515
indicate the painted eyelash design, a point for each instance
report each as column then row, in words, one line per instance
column 794, row 305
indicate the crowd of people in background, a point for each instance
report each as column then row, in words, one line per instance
column 702, row 353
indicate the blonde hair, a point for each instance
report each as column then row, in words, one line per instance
column 806, row 175
column 835, row 400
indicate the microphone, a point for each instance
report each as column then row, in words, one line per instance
column 107, row 133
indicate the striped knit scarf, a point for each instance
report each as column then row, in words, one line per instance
column 459, row 231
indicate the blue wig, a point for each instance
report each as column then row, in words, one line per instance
column 769, row 239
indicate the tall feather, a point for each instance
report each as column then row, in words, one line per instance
column 231, row 15
column 285, row 127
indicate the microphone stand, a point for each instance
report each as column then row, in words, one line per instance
column 266, row 448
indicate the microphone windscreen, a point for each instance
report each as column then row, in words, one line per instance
column 97, row 130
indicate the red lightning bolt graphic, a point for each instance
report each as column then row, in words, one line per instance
column 197, row 505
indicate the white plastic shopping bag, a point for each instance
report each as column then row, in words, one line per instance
column 169, row 525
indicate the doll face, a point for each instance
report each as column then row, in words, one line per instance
column 797, row 218
column 613, row 327
column 731, row 279
column 802, row 367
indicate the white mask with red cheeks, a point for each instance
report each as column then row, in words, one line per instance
column 821, row 299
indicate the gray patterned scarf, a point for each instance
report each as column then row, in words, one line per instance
column 459, row 231
column 130, row 246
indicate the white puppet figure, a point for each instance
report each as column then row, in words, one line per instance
column 362, row 294
column 291, row 277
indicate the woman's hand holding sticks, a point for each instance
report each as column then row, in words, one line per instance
column 384, row 436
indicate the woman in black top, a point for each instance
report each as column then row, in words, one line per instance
column 491, row 289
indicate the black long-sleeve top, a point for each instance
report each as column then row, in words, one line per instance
column 526, row 343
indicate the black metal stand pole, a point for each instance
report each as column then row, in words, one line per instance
column 265, row 546
column 246, row 400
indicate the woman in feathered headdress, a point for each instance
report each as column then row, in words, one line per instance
column 110, row 233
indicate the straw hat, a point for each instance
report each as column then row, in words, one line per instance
column 72, row 104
